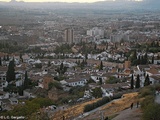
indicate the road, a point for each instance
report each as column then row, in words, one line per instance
column 81, row 117
column 129, row 114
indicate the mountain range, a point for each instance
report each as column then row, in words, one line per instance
column 104, row 5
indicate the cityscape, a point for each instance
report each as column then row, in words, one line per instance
column 80, row 61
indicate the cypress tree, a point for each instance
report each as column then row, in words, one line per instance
column 10, row 72
column 7, row 57
column 61, row 66
column 145, row 59
column 0, row 62
column 26, row 81
column 101, row 66
column 132, row 82
column 100, row 81
column 4, row 58
column 138, row 82
column 139, row 60
column 21, row 58
column 147, row 81
column 86, row 56
column 153, row 59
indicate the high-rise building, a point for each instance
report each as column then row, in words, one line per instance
column 69, row 36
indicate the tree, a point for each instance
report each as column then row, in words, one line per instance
column 38, row 65
column 21, row 58
column 147, row 81
column 152, row 112
column 134, row 58
column 86, row 56
column 10, row 72
column 4, row 58
column 132, row 82
column 20, row 90
column 97, row 92
column 100, row 81
column 0, row 62
column 61, row 66
column 26, row 81
column 153, row 59
column 101, row 66
column 145, row 59
column 138, row 82
column 7, row 58
column 139, row 60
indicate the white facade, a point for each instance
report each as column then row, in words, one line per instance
column 5, row 95
column 77, row 82
column 107, row 92
column 95, row 32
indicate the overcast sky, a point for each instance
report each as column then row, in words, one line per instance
column 82, row 1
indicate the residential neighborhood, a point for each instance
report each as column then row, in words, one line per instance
column 54, row 61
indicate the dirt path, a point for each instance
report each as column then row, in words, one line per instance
column 114, row 108
column 129, row 114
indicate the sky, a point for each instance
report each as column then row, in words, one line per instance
column 70, row 1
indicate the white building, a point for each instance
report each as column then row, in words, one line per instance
column 76, row 82
column 96, row 32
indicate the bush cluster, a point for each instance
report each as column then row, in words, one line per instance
column 151, row 110
column 99, row 103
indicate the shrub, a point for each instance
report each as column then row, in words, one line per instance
column 152, row 112
column 99, row 103
column 42, row 102
column 117, row 96
column 149, row 90
column 148, row 100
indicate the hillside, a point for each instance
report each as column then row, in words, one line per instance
column 110, row 109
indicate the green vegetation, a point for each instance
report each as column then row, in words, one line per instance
column 78, row 91
column 132, row 82
column 101, row 66
column 26, row 81
column 147, row 81
column 138, row 82
column 11, row 72
column 62, row 69
column 81, row 64
column 38, row 65
column 54, row 84
column 97, row 92
column 112, row 80
column 99, row 103
column 65, row 48
column 148, row 90
column 10, row 47
column 151, row 110
column 30, row 107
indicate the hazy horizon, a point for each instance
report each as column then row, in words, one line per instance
column 68, row 1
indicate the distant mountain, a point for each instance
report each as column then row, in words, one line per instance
column 126, row 4
column 102, row 5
